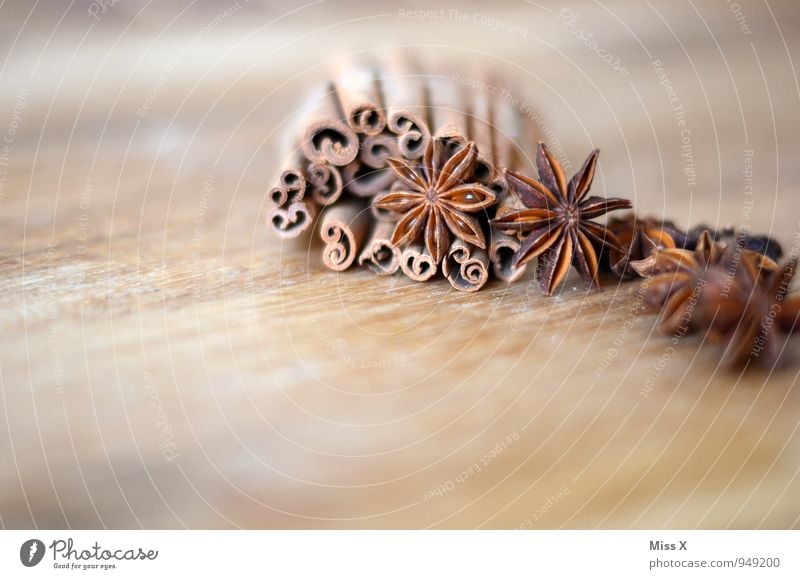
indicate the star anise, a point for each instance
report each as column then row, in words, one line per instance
column 640, row 237
column 678, row 277
column 746, row 315
column 438, row 198
column 558, row 218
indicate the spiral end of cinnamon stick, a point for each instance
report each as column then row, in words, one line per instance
column 326, row 183
column 291, row 221
column 502, row 250
column 330, row 141
column 466, row 267
column 417, row 264
column 343, row 229
column 290, row 188
column 367, row 118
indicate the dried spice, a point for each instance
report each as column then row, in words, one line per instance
column 677, row 277
column 389, row 106
column 343, row 229
column 746, row 316
column 466, row 267
column 379, row 254
column 558, row 221
column 422, row 163
column 438, row 198
column 640, row 237
column 502, row 250
column 417, row 264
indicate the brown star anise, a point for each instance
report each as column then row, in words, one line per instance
column 678, row 277
column 746, row 315
column 437, row 199
column 558, row 218
column 640, row 237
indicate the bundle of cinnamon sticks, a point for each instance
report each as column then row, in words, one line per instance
column 400, row 171
column 337, row 170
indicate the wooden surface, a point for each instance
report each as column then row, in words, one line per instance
column 166, row 363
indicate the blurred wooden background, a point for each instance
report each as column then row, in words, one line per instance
column 166, row 363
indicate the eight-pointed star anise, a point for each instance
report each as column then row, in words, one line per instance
column 640, row 237
column 746, row 316
column 678, row 277
column 438, row 199
column 558, row 218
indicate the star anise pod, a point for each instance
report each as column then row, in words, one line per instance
column 640, row 237
column 746, row 315
column 558, row 218
column 678, row 277
column 437, row 199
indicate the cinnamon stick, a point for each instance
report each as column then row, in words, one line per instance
column 290, row 186
column 481, row 132
column 416, row 263
column 405, row 96
column 509, row 136
column 448, row 114
column 359, row 97
column 379, row 254
column 377, row 148
column 326, row 136
column 293, row 220
column 466, row 266
column 325, row 182
column 530, row 135
column 364, row 181
column 502, row 248
column 343, row 229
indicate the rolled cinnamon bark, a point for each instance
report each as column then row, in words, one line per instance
column 364, row 181
column 326, row 136
column 482, row 133
column 507, row 137
column 376, row 149
column 379, row 254
column 343, row 229
column 359, row 97
column 466, row 266
column 405, row 97
column 290, row 188
column 502, row 248
column 448, row 113
column 530, row 135
column 416, row 263
column 293, row 220
column 325, row 183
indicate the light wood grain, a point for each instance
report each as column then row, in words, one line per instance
column 166, row 363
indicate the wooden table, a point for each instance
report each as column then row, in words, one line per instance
column 166, row 363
